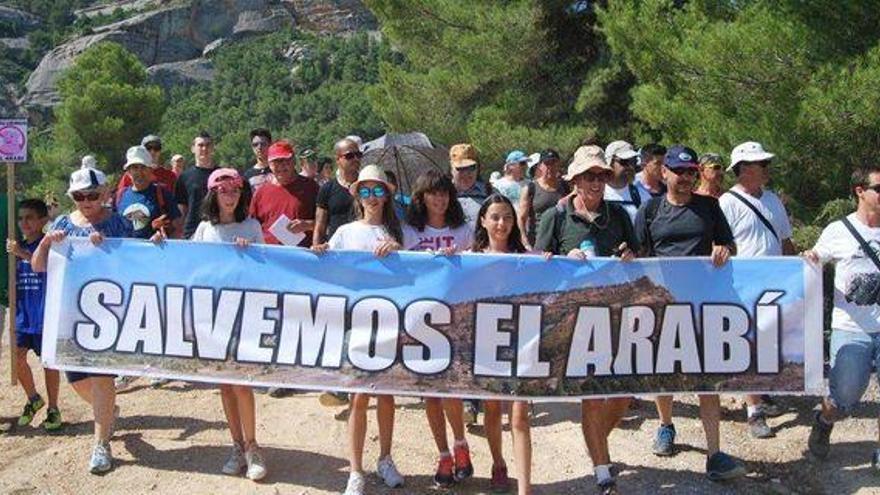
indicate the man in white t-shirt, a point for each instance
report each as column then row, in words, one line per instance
column 510, row 185
column 621, row 189
column 760, row 227
column 855, row 320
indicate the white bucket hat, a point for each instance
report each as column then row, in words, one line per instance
column 138, row 155
column 750, row 151
column 586, row 158
column 372, row 173
column 86, row 178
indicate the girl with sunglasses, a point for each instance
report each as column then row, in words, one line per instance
column 435, row 222
column 91, row 219
column 225, row 219
column 497, row 232
column 375, row 229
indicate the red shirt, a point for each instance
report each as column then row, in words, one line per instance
column 296, row 200
column 162, row 176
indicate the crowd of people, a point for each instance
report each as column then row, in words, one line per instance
column 615, row 201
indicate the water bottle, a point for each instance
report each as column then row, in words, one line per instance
column 588, row 247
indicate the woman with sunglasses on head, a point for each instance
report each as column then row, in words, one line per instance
column 711, row 175
column 435, row 223
column 584, row 226
column 376, row 228
column 225, row 219
column 89, row 192
column 497, row 232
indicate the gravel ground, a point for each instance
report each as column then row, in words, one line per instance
column 174, row 440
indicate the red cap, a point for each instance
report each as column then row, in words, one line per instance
column 280, row 150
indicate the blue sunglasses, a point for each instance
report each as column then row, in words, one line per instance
column 366, row 192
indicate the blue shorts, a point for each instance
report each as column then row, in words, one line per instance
column 33, row 341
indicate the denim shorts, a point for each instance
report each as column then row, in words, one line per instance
column 854, row 356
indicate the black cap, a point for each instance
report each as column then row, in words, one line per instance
column 549, row 154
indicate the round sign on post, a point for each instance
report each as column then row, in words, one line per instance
column 13, row 149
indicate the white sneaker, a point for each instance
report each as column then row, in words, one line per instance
column 389, row 473
column 123, row 382
column 158, row 382
column 356, row 484
column 102, row 459
column 255, row 464
column 236, row 461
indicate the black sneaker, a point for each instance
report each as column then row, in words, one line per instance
column 875, row 460
column 758, row 426
column 770, row 407
column 722, row 467
column 664, row 441
column 819, row 442
column 608, row 487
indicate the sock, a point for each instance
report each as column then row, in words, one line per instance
column 603, row 473
column 34, row 398
column 751, row 411
column 459, row 444
column 445, row 453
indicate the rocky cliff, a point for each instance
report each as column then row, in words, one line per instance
column 171, row 36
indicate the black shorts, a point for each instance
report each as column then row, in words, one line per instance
column 75, row 376
column 33, row 341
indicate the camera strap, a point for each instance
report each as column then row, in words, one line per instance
column 862, row 242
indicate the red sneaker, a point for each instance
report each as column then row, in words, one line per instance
column 500, row 483
column 463, row 467
column 444, row 477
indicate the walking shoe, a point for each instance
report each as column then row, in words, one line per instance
column 758, row 426
column 608, row 487
column 102, row 459
column 277, row 393
column 875, row 460
column 356, row 484
column 722, row 467
column 444, row 477
column 819, row 442
column 53, row 420
column 499, row 483
column 30, row 410
column 123, row 382
column 333, row 399
column 236, row 462
column 664, row 441
column 255, row 464
column 463, row 467
column 770, row 407
column 158, row 382
column 388, row 472
column 471, row 412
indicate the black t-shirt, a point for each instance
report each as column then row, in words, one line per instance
column 339, row 205
column 689, row 230
column 254, row 171
column 560, row 232
column 190, row 189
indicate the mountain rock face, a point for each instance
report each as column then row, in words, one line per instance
column 20, row 22
column 173, row 37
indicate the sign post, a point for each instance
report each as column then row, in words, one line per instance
column 13, row 149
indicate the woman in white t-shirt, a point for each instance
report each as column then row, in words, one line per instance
column 377, row 230
column 435, row 222
column 225, row 219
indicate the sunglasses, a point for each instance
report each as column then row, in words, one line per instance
column 366, row 192
column 873, row 187
column 469, row 168
column 685, row 171
column 153, row 147
column 763, row 164
column 351, row 155
column 712, row 166
column 626, row 163
column 89, row 196
column 227, row 188
column 594, row 177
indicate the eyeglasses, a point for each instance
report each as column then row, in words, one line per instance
column 468, row 169
column 689, row 171
column 351, row 155
column 626, row 163
column 260, row 144
column 366, row 192
column 89, row 196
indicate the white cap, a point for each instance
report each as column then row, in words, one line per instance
column 494, row 176
column 357, row 140
column 534, row 159
column 620, row 149
column 89, row 161
column 750, row 151
column 86, row 178
column 176, row 157
column 138, row 155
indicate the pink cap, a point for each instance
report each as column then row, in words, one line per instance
column 224, row 175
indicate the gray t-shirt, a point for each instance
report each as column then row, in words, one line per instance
column 689, row 230
column 250, row 229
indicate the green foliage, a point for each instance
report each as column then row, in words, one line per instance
column 800, row 77
column 505, row 75
column 107, row 104
column 312, row 101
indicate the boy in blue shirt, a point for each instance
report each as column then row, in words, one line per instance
column 33, row 214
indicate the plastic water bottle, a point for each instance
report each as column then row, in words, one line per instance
column 588, row 247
